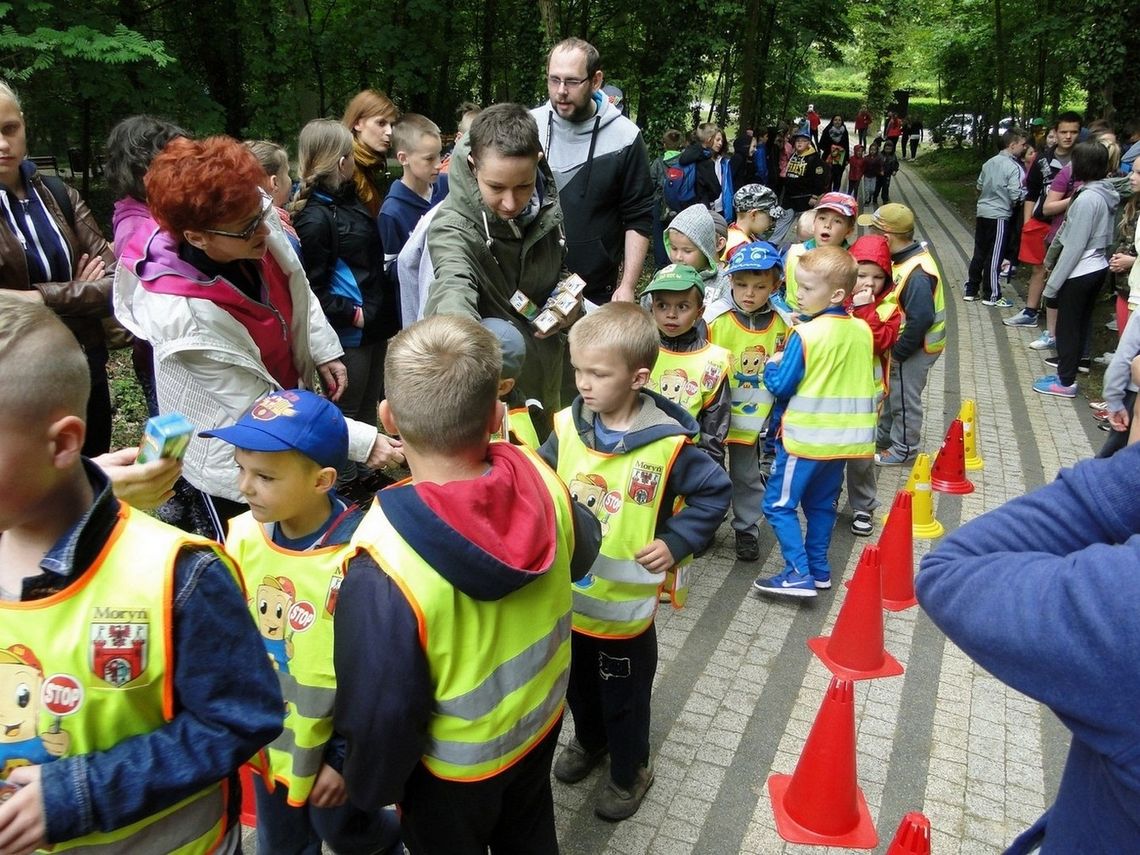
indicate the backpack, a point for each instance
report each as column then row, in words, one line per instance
column 680, row 184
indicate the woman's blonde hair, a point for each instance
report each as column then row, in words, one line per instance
column 323, row 144
column 8, row 92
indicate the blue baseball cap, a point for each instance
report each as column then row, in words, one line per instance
column 290, row 420
column 758, row 255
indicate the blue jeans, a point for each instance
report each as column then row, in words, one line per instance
column 813, row 485
column 348, row 830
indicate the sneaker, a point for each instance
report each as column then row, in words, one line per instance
column 999, row 303
column 970, row 296
column 1051, row 385
column 1098, row 405
column 1112, row 325
column 575, row 762
column 616, row 803
column 787, row 584
column 822, row 581
column 890, row 458
column 747, row 546
column 861, row 525
column 1084, row 365
column 1024, row 318
column 1106, row 358
column 1043, row 342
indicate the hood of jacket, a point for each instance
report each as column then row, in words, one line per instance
column 658, row 417
column 572, row 145
column 487, row 536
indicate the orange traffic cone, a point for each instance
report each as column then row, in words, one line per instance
column 854, row 650
column 913, row 836
column 821, row 803
column 925, row 526
column 969, row 418
column 896, row 555
column 949, row 472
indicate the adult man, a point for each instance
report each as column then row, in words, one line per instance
column 999, row 189
column 601, row 166
column 920, row 293
column 1041, row 174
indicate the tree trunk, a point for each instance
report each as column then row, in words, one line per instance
column 760, row 109
column 748, row 63
column 551, row 20
column 1000, row 50
column 486, row 54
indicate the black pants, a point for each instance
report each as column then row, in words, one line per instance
column 882, row 188
column 1074, row 303
column 990, row 238
column 611, row 681
column 913, row 147
column 1117, row 439
column 512, row 813
column 98, row 439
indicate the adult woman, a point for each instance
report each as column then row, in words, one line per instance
column 370, row 116
column 222, row 297
column 344, row 261
column 836, row 134
column 52, row 252
column 709, row 151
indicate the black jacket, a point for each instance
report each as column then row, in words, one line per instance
column 707, row 185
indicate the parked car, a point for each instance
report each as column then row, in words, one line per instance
column 957, row 126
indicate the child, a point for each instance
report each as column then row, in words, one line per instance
column 690, row 371
column 416, row 142
column 290, row 546
column 474, row 555
column 671, row 143
column 869, row 303
column 890, row 167
column 872, row 172
column 825, row 379
column 517, row 425
column 691, row 239
column 837, row 160
column 806, row 178
column 855, row 174
column 833, row 223
column 756, row 212
column 145, row 623
column 625, row 452
column 744, row 323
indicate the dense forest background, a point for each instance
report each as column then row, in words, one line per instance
column 264, row 68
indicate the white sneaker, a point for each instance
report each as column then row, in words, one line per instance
column 1043, row 342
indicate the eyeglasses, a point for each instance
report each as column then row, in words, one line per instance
column 568, row 82
column 247, row 232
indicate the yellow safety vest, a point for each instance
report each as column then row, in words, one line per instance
column 749, row 349
column 934, row 341
column 618, row 597
column 292, row 597
column 691, row 379
column 518, row 426
column 832, row 414
column 499, row 668
column 96, row 664
column 791, row 262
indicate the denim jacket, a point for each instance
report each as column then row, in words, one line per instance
column 227, row 700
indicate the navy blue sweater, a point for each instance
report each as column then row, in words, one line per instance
column 1043, row 593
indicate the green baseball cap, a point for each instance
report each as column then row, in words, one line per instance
column 676, row 277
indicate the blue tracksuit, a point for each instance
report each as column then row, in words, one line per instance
column 800, row 481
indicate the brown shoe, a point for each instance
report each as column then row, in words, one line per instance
column 575, row 762
column 616, row 804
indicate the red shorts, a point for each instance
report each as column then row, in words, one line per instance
column 1033, row 242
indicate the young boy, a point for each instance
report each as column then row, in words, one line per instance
column 825, row 379
column 855, row 174
column 452, row 642
column 872, row 172
column 744, row 323
column 290, row 546
column 692, row 239
column 869, row 303
column 833, row 223
column 517, row 426
column 806, row 176
column 132, row 679
column 672, row 141
column 627, row 453
column 756, row 213
column 690, row 371
column 417, row 146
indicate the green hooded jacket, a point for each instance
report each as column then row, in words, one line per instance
column 481, row 260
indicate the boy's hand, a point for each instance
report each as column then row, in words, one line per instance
column 23, row 829
column 1119, row 420
column 144, row 485
column 863, row 296
column 335, row 377
column 385, row 452
column 656, row 558
column 328, row 790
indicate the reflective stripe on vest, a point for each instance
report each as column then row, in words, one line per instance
column 691, row 379
column 100, row 653
column 292, row 596
column 749, row 350
column 832, row 414
column 934, row 340
column 618, row 597
column 499, row 668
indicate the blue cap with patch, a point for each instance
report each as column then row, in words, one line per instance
column 290, row 420
column 758, row 255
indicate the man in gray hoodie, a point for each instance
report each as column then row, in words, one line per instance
column 601, row 166
column 1000, row 187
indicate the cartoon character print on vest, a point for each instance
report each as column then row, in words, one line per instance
column 274, row 600
column 592, row 492
column 675, row 385
column 25, row 694
column 750, row 370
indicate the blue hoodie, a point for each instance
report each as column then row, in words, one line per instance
column 1055, row 617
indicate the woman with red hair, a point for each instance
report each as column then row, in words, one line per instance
column 220, row 294
column 370, row 116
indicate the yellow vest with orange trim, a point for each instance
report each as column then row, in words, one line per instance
column 92, row 666
column 518, row 427
column 934, row 339
column 749, row 350
column 691, row 379
column 499, row 668
column 292, row 597
column 791, row 262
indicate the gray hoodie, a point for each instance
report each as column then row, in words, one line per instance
column 1090, row 225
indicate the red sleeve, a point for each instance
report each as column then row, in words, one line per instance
column 883, row 333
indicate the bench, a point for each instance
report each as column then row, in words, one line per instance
column 46, row 162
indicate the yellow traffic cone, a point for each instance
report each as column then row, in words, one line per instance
column 924, row 525
column 908, row 487
column 968, row 415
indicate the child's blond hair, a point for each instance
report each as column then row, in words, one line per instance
column 323, row 144
column 836, row 265
column 441, row 381
column 407, row 133
column 622, row 327
column 43, row 372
